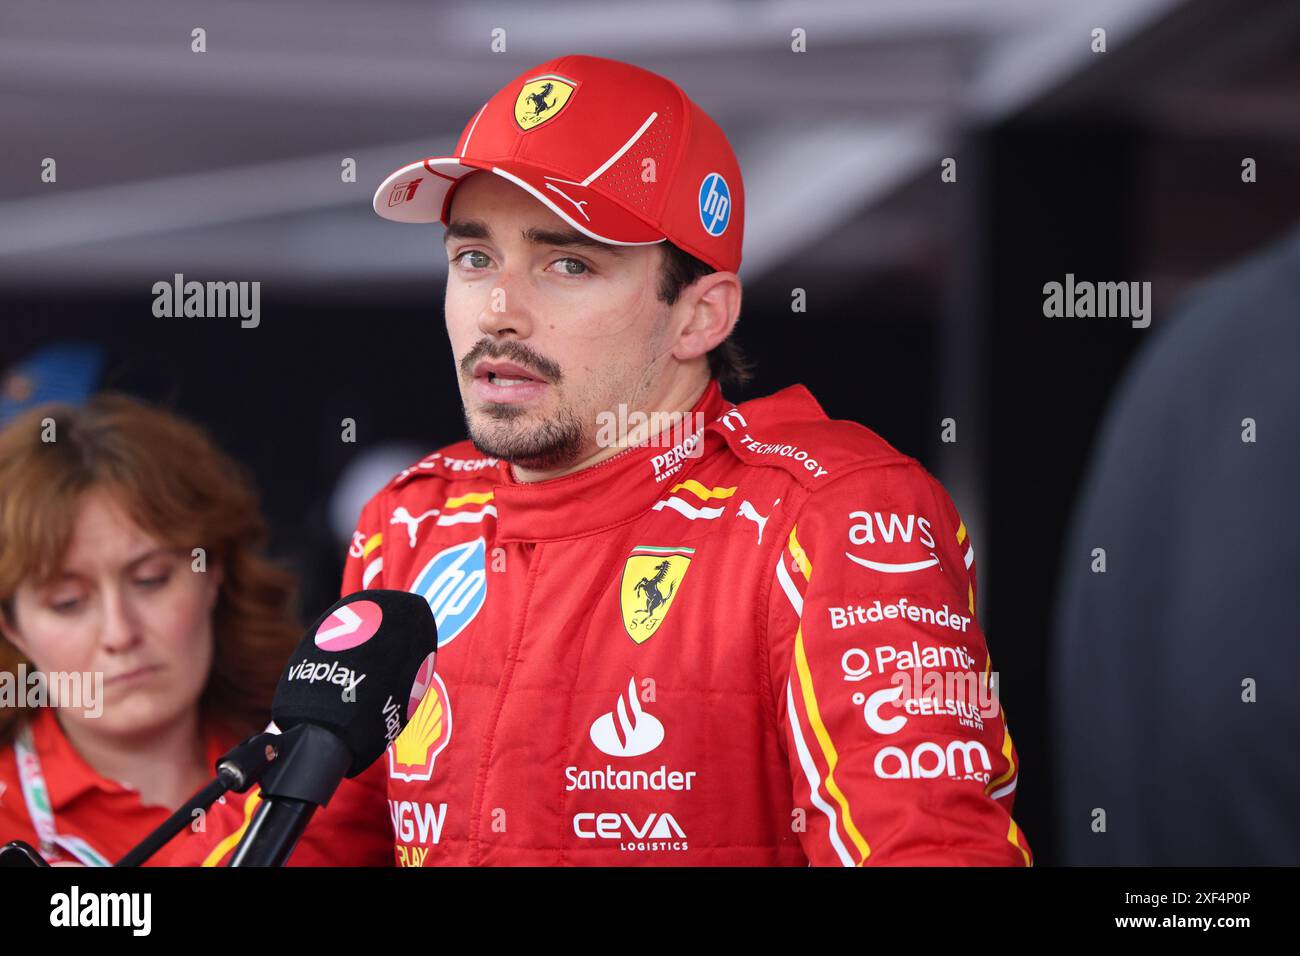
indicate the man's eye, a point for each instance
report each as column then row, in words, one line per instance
column 482, row 261
column 567, row 265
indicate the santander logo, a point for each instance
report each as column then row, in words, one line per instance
column 628, row 731
column 350, row 626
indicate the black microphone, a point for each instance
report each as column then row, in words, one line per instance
column 345, row 695
column 19, row 854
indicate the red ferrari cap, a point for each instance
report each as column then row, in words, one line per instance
column 619, row 153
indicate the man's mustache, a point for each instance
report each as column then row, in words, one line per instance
column 511, row 351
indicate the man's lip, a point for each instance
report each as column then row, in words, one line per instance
column 504, row 370
column 491, row 391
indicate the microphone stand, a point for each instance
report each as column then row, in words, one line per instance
column 237, row 770
column 312, row 763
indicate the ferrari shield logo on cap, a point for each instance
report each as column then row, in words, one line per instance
column 651, row 580
column 541, row 100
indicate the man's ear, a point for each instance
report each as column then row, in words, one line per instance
column 712, row 306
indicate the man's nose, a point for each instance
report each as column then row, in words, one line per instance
column 507, row 310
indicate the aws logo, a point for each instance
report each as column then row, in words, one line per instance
column 541, row 100
column 427, row 733
column 651, row 579
column 892, row 536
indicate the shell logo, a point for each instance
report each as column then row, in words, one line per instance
column 427, row 733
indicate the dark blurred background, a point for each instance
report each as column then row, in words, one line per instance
column 924, row 297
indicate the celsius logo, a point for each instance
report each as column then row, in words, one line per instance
column 350, row 626
column 629, row 731
column 454, row 582
column 871, row 710
column 715, row 204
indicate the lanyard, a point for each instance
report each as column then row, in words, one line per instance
column 38, row 805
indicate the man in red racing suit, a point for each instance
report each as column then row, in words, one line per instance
column 720, row 652
column 744, row 636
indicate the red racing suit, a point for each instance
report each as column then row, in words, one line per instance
column 753, row 645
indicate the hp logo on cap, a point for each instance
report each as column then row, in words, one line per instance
column 715, row 204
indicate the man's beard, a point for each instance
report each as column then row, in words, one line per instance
column 555, row 443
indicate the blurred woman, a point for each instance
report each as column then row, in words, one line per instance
column 131, row 581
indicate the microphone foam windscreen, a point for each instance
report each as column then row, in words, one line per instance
column 357, row 671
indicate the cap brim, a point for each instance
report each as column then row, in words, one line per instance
column 418, row 192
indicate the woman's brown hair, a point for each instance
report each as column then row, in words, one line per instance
column 178, row 486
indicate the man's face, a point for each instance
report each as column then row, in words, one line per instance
column 548, row 328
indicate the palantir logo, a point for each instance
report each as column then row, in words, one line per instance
column 715, row 204
column 350, row 626
column 629, row 731
column 454, row 582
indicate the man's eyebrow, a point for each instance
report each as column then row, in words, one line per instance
column 477, row 229
column 569, row 237
column 467, row 229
